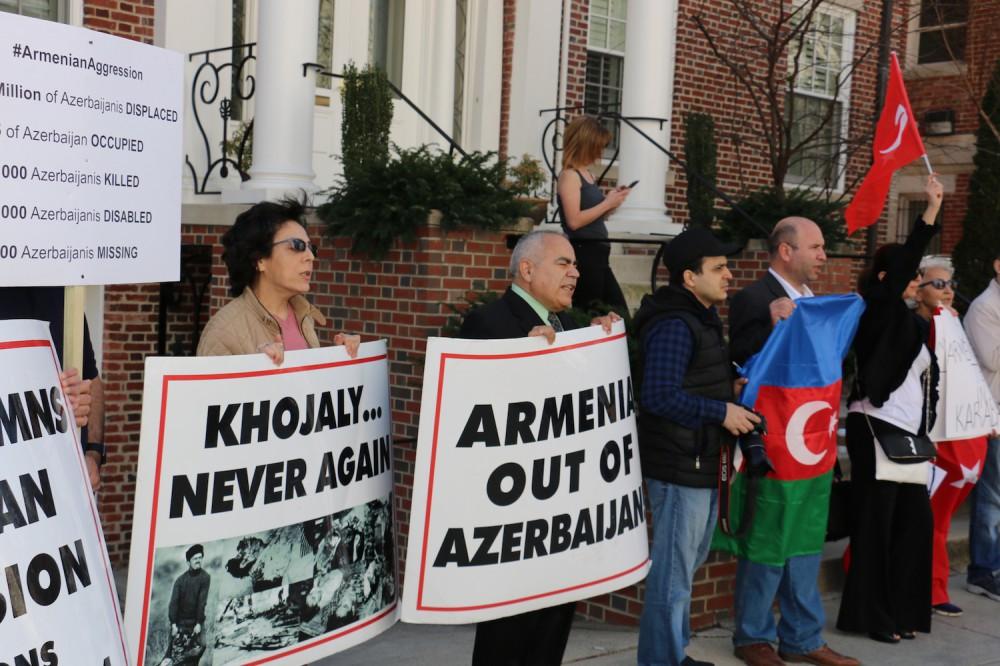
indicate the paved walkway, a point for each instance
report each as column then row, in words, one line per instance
column 970, row 640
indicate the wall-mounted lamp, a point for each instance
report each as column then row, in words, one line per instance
column 938, row 123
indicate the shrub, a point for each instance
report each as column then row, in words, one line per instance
column 980, row 242
column 366, row 118
column 767, row 208
column 391, row 200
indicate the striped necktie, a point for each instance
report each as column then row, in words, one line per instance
column 555, row 323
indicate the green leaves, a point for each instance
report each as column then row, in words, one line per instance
column 385, row 201
column 767, row 207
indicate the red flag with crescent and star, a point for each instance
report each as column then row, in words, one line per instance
column 897, row 143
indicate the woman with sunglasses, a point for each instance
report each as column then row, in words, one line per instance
column 270, row 261
column 887, row 592
column 937, row 290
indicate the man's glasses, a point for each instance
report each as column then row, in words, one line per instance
column 939, row 283
column 298, row 245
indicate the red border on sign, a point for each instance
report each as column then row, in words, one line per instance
column 143, row 627
column 26, row 344
column 433, row 465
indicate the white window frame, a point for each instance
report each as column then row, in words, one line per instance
column 928, row 69
column 603, row 50
column 843, row 98
column 69, row 12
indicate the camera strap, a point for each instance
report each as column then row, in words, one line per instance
column 727, row 471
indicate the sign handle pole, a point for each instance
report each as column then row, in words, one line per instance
column 927, row 163
column 73, row 301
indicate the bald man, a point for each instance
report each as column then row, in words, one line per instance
column 798, row 254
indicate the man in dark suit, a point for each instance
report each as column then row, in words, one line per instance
column 544, row 268
column 797, row 256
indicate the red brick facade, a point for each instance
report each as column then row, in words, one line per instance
column 961, row 94
column 132, row 19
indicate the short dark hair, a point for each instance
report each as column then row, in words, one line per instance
column 694, row 265
column 249, row 239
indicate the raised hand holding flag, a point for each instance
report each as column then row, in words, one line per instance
column 897, row 143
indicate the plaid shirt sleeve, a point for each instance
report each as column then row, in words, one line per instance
column 667, row 354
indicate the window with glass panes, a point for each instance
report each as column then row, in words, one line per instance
column 817, row 108
column 941, row 31
column 53, row 10
column 605, row 60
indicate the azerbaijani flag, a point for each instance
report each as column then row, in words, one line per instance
column 795, row 382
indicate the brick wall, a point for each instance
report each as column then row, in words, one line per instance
column 132, row 19
column 507, row 66
column 960, row 93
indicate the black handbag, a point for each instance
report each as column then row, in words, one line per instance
column 900, row 446
column 838, row 522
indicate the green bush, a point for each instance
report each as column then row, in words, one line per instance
column 700, row 153
column 391, row 200
column 767, row 207
column 980, row 241
column 365, row 121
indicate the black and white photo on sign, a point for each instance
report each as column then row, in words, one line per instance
column 236, row 599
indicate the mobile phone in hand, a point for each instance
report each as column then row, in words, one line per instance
column 633, row 184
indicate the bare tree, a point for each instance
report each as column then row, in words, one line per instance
column 770, row 50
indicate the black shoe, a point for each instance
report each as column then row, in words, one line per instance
column 907, row 635
column 688, row 661
column 883, row 637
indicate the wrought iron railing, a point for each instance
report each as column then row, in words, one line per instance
column 453, row 146
column 222, row 87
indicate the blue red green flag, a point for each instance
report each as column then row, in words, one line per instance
column 795, row 382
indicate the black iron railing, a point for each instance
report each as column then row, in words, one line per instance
column 222, row 88
column 453, row 146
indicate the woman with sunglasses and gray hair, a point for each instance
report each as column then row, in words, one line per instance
column 955, row 458
column 270, row 260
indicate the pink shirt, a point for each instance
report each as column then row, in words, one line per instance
column 291, row 336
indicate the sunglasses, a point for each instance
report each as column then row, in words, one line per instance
column 298, row 245
column 939, row 283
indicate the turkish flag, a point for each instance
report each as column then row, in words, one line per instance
column 801, row 438
column 897, row 143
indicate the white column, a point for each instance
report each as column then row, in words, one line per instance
column 428, row 71
column 648, row 88
column 283, row 102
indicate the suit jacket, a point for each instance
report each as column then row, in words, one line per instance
column 750, row 317
column 509, row 316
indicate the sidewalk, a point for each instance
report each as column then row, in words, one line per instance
column 970, row 640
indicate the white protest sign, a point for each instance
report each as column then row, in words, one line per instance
column 91, row 136
column 966, row 408
column 263, row 512
column 57, row 594
column 527, row 487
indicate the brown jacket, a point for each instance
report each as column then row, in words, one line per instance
column 244, row 325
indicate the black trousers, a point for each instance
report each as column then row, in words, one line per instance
column 888, row 586
column 537, row 638
column 597, row 283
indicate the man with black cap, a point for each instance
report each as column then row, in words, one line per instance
column 687, row 414
column 187, row 612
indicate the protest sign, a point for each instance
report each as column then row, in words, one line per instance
column 527, row 487
column 263, row 525
column 965, row 407
column 91, row 133
column 57, row 594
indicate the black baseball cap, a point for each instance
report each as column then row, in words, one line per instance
column 692, row 244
